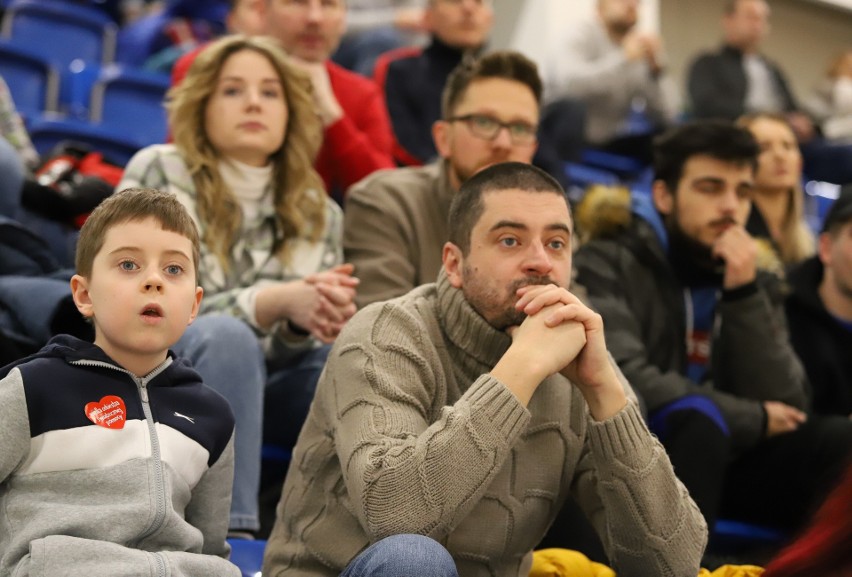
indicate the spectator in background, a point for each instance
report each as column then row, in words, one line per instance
column 738, row 80
column 618, row 73
column 357, row 138
column 413, row 83
column 699, row 331
column 376, row 26
column 831, row 103
column 396, row 220
column 777, row 198
column 244, row 17
column 275, row 289
column 819, row 312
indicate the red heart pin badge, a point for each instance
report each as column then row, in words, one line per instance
column 109, row 412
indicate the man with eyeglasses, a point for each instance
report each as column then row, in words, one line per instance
column 395, row 221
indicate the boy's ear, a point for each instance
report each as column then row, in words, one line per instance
column 453, row 264
column 199, row 292
column 80, row 293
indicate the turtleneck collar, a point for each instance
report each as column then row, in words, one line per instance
column 480, row 344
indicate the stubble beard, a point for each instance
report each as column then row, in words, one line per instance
column 495, row 306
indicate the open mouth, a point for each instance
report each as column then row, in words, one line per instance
column 152, row 311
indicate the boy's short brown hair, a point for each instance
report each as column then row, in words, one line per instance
column 133, row 204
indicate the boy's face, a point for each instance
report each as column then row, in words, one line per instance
column 141, row 294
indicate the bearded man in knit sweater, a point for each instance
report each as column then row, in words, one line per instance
column 452, row 423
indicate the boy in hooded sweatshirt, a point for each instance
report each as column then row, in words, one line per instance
column 115, row 459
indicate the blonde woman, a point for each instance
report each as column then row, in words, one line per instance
column 778, row 202
column 245, row 136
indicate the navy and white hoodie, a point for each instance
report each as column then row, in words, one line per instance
column 103, row 473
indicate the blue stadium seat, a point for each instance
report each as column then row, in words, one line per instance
column 60, row 32
column 33, row 82
column 731, row 537
column 115, row 146
column 247, row 555
column 131, row 101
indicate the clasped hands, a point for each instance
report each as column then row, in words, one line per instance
column 562, row 335
column 331, row 302
column 318, row 304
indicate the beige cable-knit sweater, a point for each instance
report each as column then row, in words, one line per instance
column 408, row 433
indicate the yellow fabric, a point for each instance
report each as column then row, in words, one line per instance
column 733, row 571
column 567, row 563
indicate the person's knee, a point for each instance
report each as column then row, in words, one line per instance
column 408, row 555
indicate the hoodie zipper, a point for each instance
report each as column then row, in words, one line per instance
column 159, row 482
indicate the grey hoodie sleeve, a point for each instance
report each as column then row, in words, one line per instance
column 65, row 556
column 211, row 501
column 14, row 424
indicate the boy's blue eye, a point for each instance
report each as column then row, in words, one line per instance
column 127, row 265
column 174, row 269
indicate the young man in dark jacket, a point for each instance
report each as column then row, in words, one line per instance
column 698, row 330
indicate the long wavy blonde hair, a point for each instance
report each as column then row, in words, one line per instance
column 298, row 193
column 797, row 241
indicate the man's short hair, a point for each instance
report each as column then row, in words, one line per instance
column 505, row 64
column 132, row 205
column 467, row 206
column 717, row 139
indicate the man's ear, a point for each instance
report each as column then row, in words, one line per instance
column 199, row 292
column 80, row 293
column 663, row 198
column 824, row 248
column 453, row 263
column 441, row 137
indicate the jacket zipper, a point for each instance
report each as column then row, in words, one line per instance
column 159, row 483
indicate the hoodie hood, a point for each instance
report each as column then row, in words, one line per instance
column 72, row 349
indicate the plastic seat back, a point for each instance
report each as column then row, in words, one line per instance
column 61, row 32
column 32, row 81
column 131, row 101
column 114, row 145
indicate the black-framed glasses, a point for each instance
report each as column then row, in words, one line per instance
column 488, row 127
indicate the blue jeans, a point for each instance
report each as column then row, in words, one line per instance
column 403, row 556
column 227, row 355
